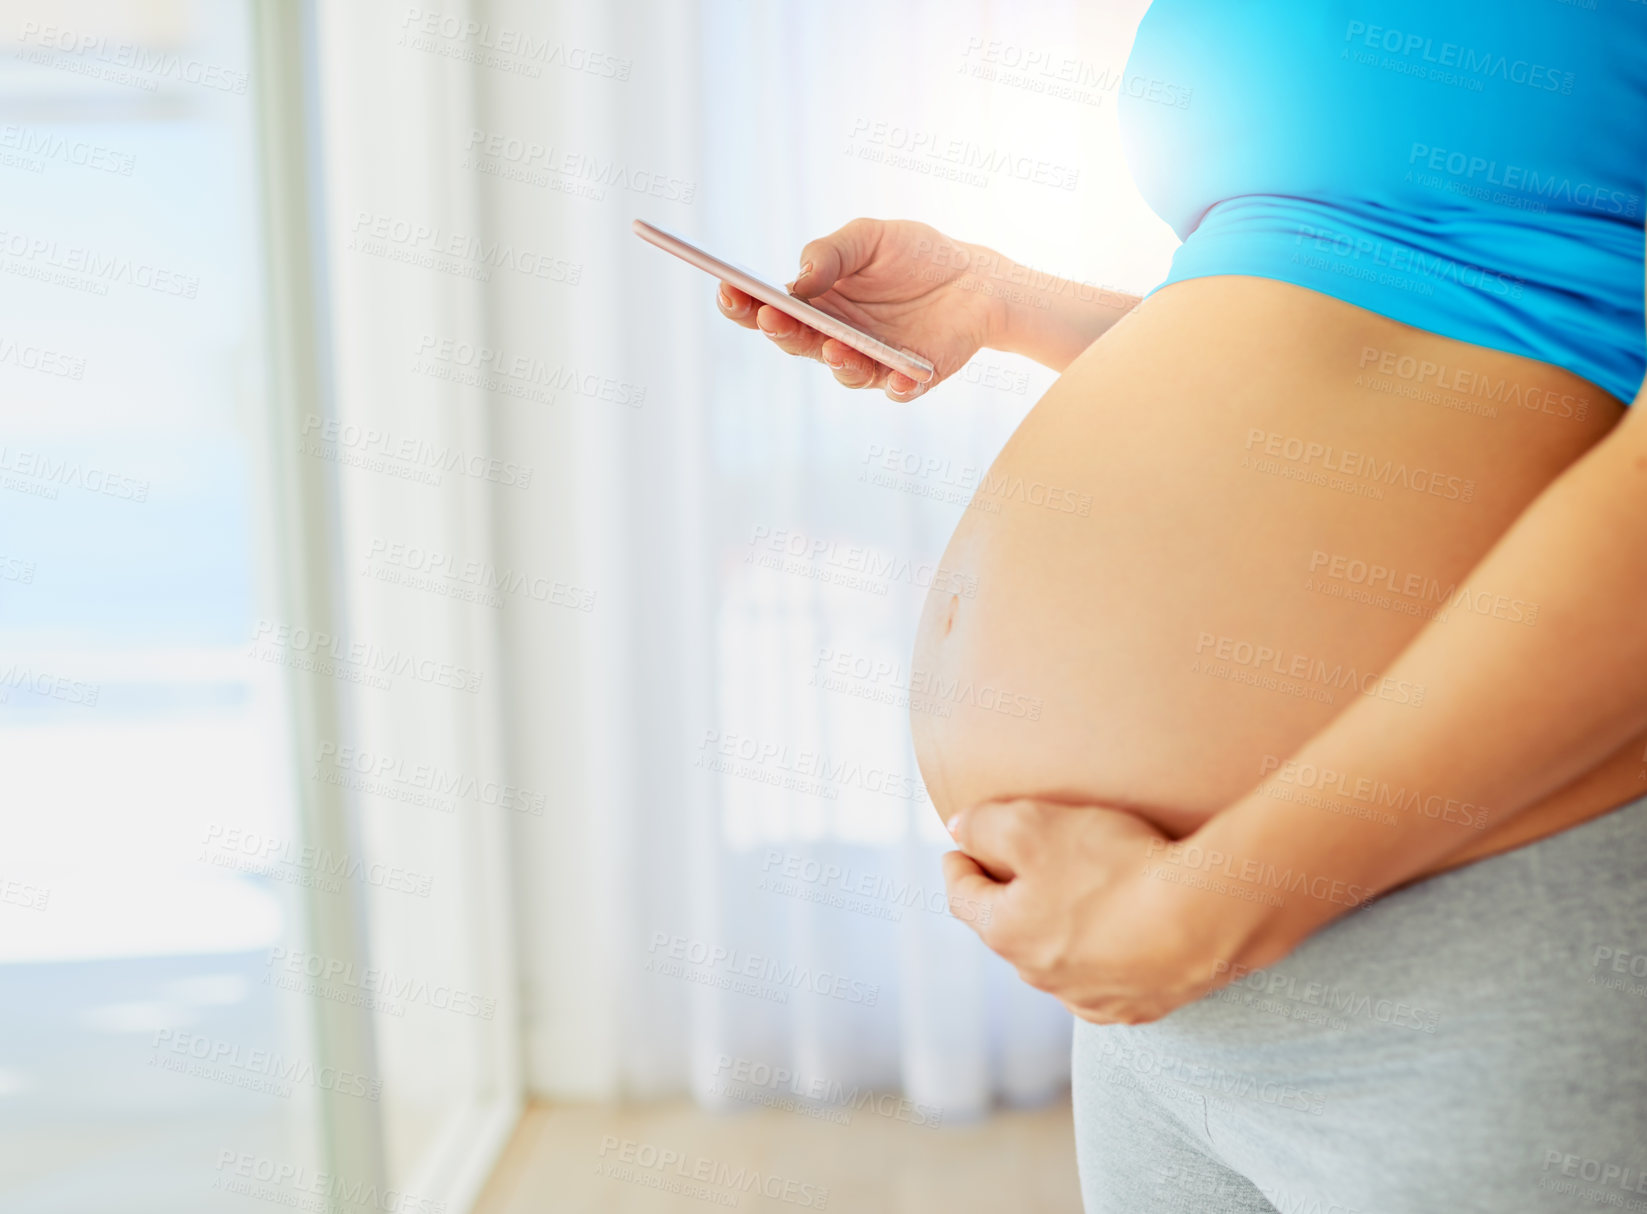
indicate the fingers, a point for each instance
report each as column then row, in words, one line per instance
column 850, row 368
column 1116, row 1012
column 856, row 370
column 971, row 893
column 1005, row 836
column 789, row 334
column 900, row 387
column 829, row 259
column 736, row 305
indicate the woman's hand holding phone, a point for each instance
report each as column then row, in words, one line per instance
column 893, row 277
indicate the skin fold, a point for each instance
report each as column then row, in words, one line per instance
column 1274, row 605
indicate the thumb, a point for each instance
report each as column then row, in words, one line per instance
column 844, row 252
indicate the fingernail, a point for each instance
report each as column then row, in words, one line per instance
column 954, row 826
column 837, row 363
column 726, row 300
column 806, row 268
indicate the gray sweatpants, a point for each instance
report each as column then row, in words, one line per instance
column 1475, row 1041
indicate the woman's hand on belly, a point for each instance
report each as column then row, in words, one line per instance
column 1075, row 898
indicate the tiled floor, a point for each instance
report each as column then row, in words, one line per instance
column 600, row 1160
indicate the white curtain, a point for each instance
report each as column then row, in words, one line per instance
column 711, row 797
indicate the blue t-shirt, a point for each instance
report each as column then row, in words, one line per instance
column 1477, row 169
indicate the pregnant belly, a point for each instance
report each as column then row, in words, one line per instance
column 1217, row 529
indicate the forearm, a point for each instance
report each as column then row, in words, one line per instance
column 1041, row 316
column 1511, row 712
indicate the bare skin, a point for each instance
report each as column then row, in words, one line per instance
column 1177, row 622
column 1194, row 532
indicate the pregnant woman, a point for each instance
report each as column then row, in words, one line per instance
column 1331, row 827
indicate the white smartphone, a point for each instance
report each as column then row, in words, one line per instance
column 912, row 365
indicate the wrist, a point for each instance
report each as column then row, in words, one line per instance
column 995, row 324
column 1037, row 315
column 1202, row 928
column 1268, row 879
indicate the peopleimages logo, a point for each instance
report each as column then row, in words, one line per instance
column 879, row 896
column 52, row 686
column 928, row 150
column 46, row 361
column 977, row 480
column 528, row 158
column 382, row 768
column 15, row 569
column 801, row 770
column 1376, row 792
column 405, row 457
column 1374, row 577
column 1272, row 660
column 35, row 147
column 1472, row 170
column 920, row 690
column 137, row 61
column 524, row 370
column 256, row 1069
column 1438, row 60
column 97, row 269
column 358, row 661
column 1192, row 856
column 1597, row 1171
column 855, row 566
column 227, row 843
column 1462, row 382
column 1359, row 465
column 496, row 45
column 718, row 965
column 1341, row 1001
column 1046, row 70
column 444, row 572
column 1405, row 267
column 687, row 1175
column 42, row 475
column 21, row 893
column 290, row 1184
column 432, row 247
column 335, row 972
column 758, row 1083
